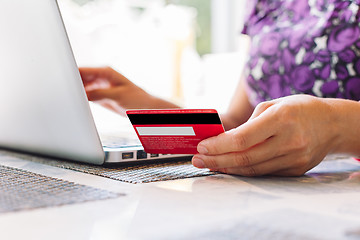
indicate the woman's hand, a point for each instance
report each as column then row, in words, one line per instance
column 287, row 137
column 114, row 91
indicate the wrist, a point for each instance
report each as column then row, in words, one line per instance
column 346, row 116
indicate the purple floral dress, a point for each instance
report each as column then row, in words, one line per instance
column 303, row 46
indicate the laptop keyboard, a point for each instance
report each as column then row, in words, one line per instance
column 24, row 190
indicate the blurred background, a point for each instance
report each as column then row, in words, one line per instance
column 187, row 51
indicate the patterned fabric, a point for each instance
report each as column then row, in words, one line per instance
column 303, row 46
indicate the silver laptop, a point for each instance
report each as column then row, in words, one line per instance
column 43, row 105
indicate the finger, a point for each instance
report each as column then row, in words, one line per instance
column 90, row 74
column 245, row 136
column 100, row 94
column 105, row 73
column 258, row 154
column 113, row 106
column 265, row 168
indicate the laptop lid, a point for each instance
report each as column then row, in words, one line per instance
column 43, row 106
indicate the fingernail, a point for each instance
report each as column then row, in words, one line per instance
column 203, row 150
column 198, row 162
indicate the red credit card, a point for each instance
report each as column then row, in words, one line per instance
column 174, row 131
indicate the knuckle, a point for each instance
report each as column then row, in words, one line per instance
column 249, row 172
column 109, row 69
column 211, row 163
column 262, row 106
column 285, row 110
column 299, row 142
column 301, row 162
column 110, row 72
column 242, row 159
column 286, row 116
column 240, row 141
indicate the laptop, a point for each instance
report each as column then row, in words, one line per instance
column 43, row 105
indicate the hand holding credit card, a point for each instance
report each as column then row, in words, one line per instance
column 174, row 131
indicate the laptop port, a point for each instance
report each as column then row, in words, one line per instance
column 154, row 155
column 141, row 154
column 127, row 155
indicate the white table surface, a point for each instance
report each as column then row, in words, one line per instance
column 325, row 204
column 322, row 205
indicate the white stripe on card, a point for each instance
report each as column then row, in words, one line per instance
column 165, row 131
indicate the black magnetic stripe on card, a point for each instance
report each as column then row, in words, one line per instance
column 183, row 118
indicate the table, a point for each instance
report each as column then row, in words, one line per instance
column 324, row 204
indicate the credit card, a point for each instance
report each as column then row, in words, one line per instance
column 174, row 131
